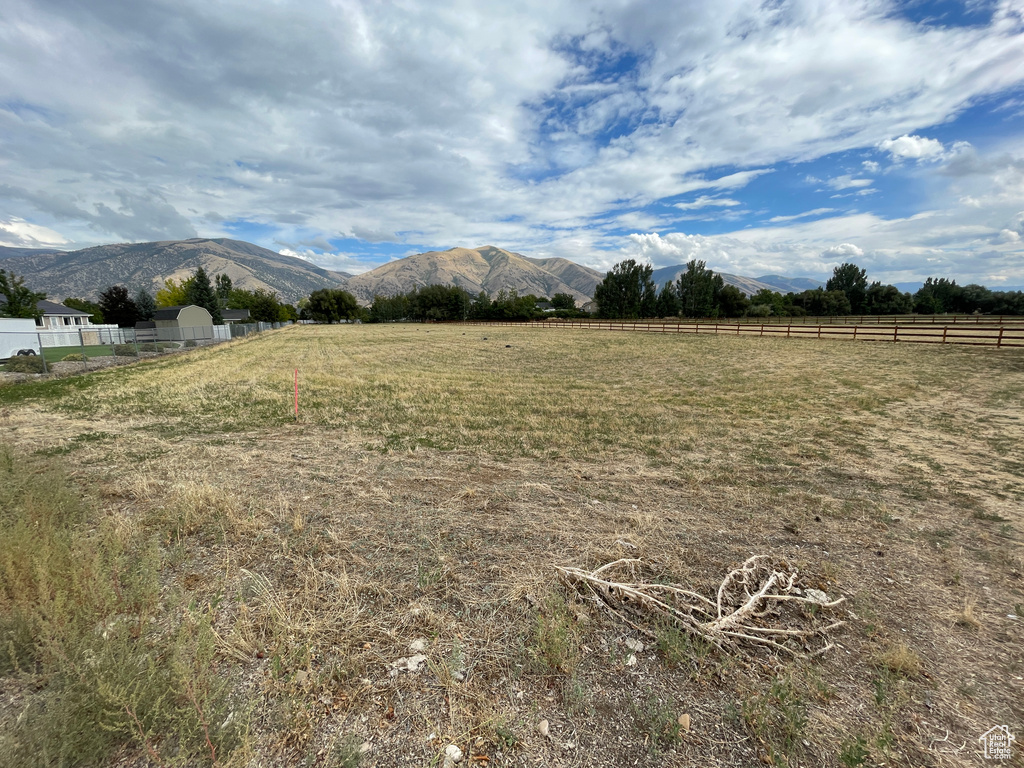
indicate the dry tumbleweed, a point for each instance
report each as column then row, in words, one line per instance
column 750, row 606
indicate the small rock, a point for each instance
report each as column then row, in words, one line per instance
column 452, row 755
column 631, row 660
column 684, row 722
column 365, row 747
column 508, row 346
column 300, row 677
column 418, row 645
column 634, row 645
column 816, row 596
column 459, row 676
column 543, row 728
column 408, row 664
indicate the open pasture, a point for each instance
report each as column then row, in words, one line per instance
column 273, row 583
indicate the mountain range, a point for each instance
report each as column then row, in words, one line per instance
column 749, row 285
column 87, row 272
column 487, row 269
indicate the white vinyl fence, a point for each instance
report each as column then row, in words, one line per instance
column 19, row 336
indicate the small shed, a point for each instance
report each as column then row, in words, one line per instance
column 235, row 316
column 188, row 322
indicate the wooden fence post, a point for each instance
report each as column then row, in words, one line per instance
column 895, row 333
column 999, row 341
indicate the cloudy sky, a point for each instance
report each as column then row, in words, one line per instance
column 784, row 138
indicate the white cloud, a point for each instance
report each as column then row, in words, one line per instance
column 913, row 147
column 707, row 202
column 22, row 234
column 804, row 215
column 337, row 261
column 842, row 252
column 848, row 182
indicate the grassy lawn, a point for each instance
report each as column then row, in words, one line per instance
column 56, row 354
column 273, row 577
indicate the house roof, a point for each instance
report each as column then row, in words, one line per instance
column 235, row 314
column 50, row 308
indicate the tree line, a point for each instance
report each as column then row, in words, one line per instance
column 449, row 302
column 117, row 305
column 628, row 292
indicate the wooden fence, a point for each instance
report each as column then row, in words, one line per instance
column 939, row 320
column 1005, row 335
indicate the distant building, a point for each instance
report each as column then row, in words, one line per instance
column 57, row 317
column 188, row 322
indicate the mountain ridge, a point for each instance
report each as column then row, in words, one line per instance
column 749, row 285
column 487, row 268
column 86, row 272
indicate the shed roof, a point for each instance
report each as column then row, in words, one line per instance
column 170, row 313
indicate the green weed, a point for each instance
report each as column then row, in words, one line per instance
column 657, row 721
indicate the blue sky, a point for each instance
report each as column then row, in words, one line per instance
column 782, row 137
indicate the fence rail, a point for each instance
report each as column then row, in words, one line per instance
column 938, row 320
column 972, row 335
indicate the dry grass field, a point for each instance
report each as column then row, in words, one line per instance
column 190, row 576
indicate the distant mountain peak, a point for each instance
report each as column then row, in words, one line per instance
column 487, row 268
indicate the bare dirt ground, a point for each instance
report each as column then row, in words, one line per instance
column 329, row 553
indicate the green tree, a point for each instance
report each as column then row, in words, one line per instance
column 331, row 305
column 262, row 304
column 480, row 309
column 563, row 301
column 95, row 313
column 174, row 294
column 16, row 300
column 887, row 300
column 767, row 303
column 699, row 290
column 627, row 291
column 201, row 293
column 389, row 309
column 732, row 302
column 118, row 307
column 936, row 297
column 853, row 282
column 821, row 303
column 146, row 303
column 668, row 301
column 223, row 288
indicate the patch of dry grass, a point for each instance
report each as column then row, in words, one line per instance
column 434, row 478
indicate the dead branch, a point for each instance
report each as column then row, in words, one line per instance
column 758, row 604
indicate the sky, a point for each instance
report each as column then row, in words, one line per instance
column 773, row 138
